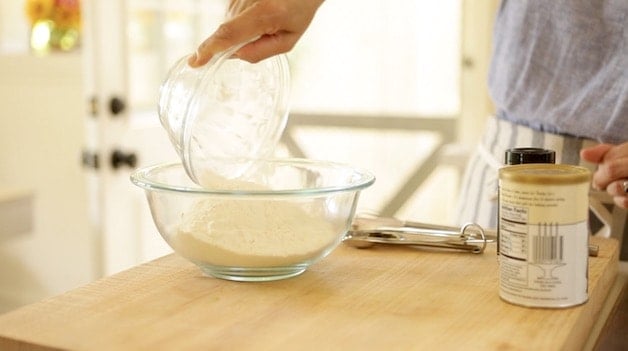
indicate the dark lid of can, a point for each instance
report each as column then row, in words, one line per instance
column 521, row 155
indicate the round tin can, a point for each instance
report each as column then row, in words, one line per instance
column 543, row 234
column 522, row 155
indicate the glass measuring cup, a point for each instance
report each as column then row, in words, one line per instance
column 226, row 113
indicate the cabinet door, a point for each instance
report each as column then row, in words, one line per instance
column 128, row 47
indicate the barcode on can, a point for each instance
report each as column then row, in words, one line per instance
column 547, row 245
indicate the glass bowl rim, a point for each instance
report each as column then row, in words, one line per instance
column 142, row 178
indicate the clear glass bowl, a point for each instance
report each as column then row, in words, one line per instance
column 274, row 222
column 226, row 109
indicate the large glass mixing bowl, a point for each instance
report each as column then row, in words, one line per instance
column 273, row 222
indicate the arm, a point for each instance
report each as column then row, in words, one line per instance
column 612, row 171
column 278, row 25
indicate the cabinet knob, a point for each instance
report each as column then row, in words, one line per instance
column 120, row 159
column 116, row 105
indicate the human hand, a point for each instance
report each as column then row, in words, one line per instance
column 612, row 171
column 278, row 25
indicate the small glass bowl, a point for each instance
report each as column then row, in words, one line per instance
column 274, row 222
column 228, row 108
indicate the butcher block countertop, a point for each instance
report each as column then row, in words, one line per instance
column 382, row 298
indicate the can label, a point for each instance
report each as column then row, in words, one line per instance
column 543, row 238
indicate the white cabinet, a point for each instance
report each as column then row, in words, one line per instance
column 41, row 135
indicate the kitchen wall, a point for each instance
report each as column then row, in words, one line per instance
column 41, row 135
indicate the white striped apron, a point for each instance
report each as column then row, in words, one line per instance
column 478, row 195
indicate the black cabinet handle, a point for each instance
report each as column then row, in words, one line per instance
column 116, row 105
column 120, row 159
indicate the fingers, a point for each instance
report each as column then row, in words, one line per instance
column 610, row 171
column 617, row 188
column 235, row 7
column 619, row 191
column 253, row 22
column 277, row 25
column 612, row 161
column 613, row 167
column 228, row 35
column 596, row 153
column 267, row 46
column 621, row 201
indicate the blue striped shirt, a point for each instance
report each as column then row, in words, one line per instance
column 561, row 66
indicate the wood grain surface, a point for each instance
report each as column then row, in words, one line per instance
column 382, row 298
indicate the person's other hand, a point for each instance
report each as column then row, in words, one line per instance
column 612, row 171
column 278, row 25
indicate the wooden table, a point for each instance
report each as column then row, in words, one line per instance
column 383, row 298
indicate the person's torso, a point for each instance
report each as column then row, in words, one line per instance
column 561, row 66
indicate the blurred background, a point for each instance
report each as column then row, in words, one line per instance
column 397, row 87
